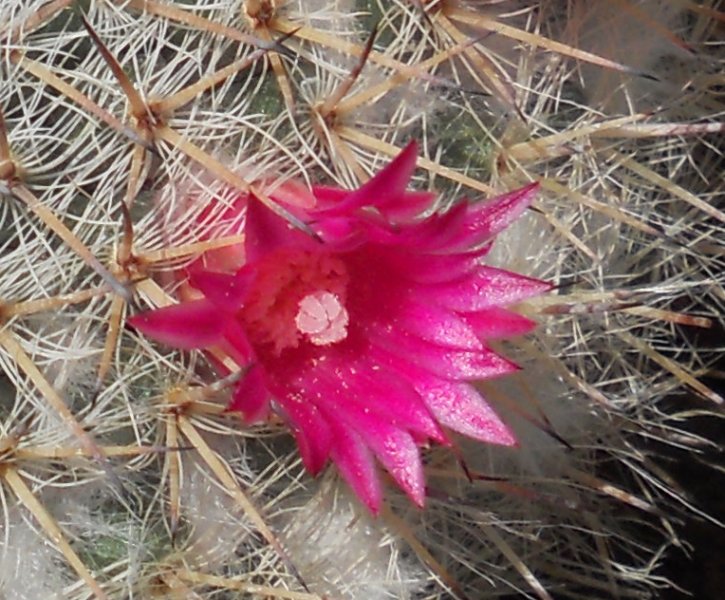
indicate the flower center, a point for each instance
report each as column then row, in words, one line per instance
column 322, row 318
column 297, row 296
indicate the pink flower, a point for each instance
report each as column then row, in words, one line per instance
column 364, row 340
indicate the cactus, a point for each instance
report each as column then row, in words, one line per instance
column 121, row 473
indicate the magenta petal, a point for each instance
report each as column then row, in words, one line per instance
column 486, row 288
column 385, row 187
column 226, row 291
column 351, row 404
column 373, row 389
column 483, row 221
column 433, row 234
column 406, row 206
column 296, row 194
column 388, row 396
column 436, row 325
column 299, row 400
column 460, row 407
column 432, row 268
column 251, row 396
column 265, row 232
column 235, row 343
column 328, row 197
column 492, row 323
column 341, row 233
column 448, row 363
column 311, row 430
column 396, row 450
column 355, row 463
column 188, row 325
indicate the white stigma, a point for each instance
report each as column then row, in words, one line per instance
column 322, row 318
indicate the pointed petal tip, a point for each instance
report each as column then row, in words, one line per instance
column 295, row 193
column 494, row 432
column 187, row 326
column 460, row 407
column 226, row 291
column 315, row 469
column 504, row 436
column 371, row 498
column 496, row 323
column 521, row 197
column 251, row 397
column 313, row 435
column 387, row 188
column 547, row 286
column 373, row 509
column 486, row 287
column 354, row 462
column 411, row 149
column 417, row 497
column 486, row 219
